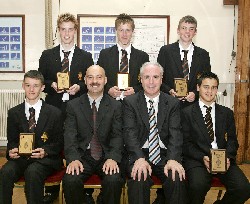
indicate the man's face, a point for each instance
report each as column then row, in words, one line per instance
column 151, row 80
column 124, row 34
column 67, row 33
column 95, row 80
column 32, row 88
column 208, row 90
column 186, row 31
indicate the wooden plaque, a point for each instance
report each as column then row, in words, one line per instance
column 181, row 87
column 123, row 81
column 63, row 82
column 218, row 161
column 26, row 143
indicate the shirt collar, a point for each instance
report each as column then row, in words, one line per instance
column 190, row 47
column 155, row 99
column 36, row 106
column 71, row 49
column 201, row 104
column 128, row 49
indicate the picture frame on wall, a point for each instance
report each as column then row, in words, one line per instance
column 12, row 43
column 97, row 32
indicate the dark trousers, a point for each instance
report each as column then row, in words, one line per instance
column 139, row 191
column 34, row 173
column 111, row 184
column 236, row 183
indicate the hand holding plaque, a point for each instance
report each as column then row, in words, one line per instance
column 218, row 161
column 26, row 143
column 123, row 81
column 63, row 81
column 181, row 87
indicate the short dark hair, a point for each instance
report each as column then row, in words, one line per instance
column 67, row 17
column 124, row 18
column 188, row 19
column 34, row 74
column 207, row 75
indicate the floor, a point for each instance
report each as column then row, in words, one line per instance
column 19, row 197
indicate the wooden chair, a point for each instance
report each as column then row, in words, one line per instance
column 217, row 185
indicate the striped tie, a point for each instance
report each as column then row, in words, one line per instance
column 154, row 147
column 65, row 62
column 209, row 123
column 32, row 120
column 185, row 64
column 124, row 62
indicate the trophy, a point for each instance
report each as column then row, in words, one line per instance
column 122, row 80
column 26, row 143
column 218, row 161
column 63, row 81
column 181, row 87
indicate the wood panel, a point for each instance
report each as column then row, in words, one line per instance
column 230, row 2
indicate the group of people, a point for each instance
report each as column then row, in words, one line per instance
column 123, row 135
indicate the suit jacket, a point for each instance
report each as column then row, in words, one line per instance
column 79, row 128
column 49, row 122
column 196, row 139
column 136, row 125
column 50, row 64
column 109, row 60
column 170, row 59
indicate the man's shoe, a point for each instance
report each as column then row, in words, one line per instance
column 49, row 198
column 99, row 198
column 88, row 199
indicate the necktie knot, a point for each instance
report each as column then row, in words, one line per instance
column 32, row 110
column 66, row 53
column 124, row 52
column 185, row 53
column 93, row 104
column 208, row 109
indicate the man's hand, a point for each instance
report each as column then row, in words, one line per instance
column 13, row 153
column 110, row 166
column 206, row 162
column 114, row 92
column 54, row 86
column 190, row 97
column 38, row 153
column 141, row 166
column 74, row 166
column 174, row 166
column 228, row 163
column 172, row 93
column 73, row 89
column 129, row 91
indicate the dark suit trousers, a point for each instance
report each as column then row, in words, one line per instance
column 139, row 191
column 111, row 184
column 236, row 183
column 34, row 173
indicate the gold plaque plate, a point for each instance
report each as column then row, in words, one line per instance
column 123, row 81
column 218, row 161
column 63, row 81
column 181, row 87
column 26, row 143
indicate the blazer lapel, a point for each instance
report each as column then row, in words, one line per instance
column 218, row 117
column 115, row 58
column 86, row 109
column 143, row 110
column 22, row 116
column 43, row 117
column 198, row 118
column 195, row 59
column 57, row 58
column 162, row 114
column 177, row 58
column 102, row 110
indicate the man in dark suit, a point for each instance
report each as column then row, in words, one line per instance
column 94, row 119
column 197, row 145
column 111, row 59
column 48, row 143
column 171, row 56
column 51, row 62
column 164, row 125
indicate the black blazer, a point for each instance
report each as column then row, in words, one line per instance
column 79, row 128
column 169, row 58
column 109, row 60
column 136, row 125
column 196, row 139
column 50, row 64
column 49, row 121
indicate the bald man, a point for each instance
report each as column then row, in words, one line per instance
column 93, row 140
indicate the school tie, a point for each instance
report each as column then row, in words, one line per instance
column 154, row 146
column 209, row 123
column 95, row 146
column 65, row 62
column 32, row 120
column 185, row 64
column 124, row 62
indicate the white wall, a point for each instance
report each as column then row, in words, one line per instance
column 215, row 26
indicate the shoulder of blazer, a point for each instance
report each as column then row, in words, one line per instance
column 17, row 108
column 133, row 49
column 199, row 50
column 80, row 51
column 113, row 49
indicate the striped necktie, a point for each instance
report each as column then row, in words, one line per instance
column 65, row 62
column 32, row 120
column 209, row 123
column 154, row 146
column 185, row 64
column 124, row 62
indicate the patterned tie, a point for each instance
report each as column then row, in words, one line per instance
column 185, row 64
column 65, row 62
column 95, row 146
column 124, row 62
column 209, row 123
column 32, row 120
column 154, row 146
